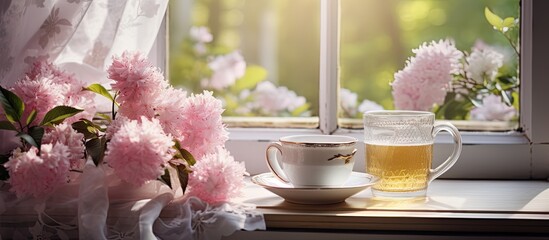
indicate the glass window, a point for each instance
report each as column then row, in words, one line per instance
column 347, row 65
column 379, row 69
column 259, row 57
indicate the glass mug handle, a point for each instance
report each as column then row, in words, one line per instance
column 273, row 163
column 446, row 126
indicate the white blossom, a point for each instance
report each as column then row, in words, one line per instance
column 226, row 70
column 483, row 62
column 368, row 105
column 348, row 101
column 493, row 109
column 271, row 100
column 201, row 34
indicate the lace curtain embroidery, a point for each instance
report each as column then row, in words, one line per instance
column 79, row 36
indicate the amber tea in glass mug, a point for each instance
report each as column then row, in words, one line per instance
column 399, row 150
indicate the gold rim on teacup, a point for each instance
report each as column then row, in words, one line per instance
column 351, row 141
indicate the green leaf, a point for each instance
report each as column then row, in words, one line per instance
column 103, row 116
column 4, row 174
column 83, row 127
column 184, row 154
column 58, row 114
column 515, row 95
column 493, row 19
column 475, row 102
column 253, row 75
column 300, row 110
column 99, row 89
column 507, row 80
column 508, row 23
column 456, row 110
column 507, row 98
column 165, row 178
column 12, row 105
column 31, row 117
column 96, row 149
column 34, row 137
column 183, row 175
column 37, row 133
column 7, row 125
column 91, row 125
column 27, row 138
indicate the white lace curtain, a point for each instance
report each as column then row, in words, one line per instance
column 78, row 35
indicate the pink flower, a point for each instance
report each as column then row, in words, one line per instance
column 139, row 151
column 493, row 109
column 169, row 110
column 41, row 94
column 202, row 130
column 45, row 68
column 137, row 82
column 217, row 177
column 201, row 34
column 35, row 175
column 64, row 134
column 45, row 86
column 115, row 125
column 226, row 70
column 135, row 110
column 426, row 77
column 271, row 100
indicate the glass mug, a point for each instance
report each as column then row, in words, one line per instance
column 399, row 150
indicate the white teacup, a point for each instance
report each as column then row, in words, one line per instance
column 313, row 160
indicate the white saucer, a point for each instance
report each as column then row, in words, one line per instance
column 356, row 183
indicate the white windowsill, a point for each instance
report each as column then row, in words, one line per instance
column 453, row 207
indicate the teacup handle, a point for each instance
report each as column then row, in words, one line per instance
column 273, row 163
column 442, row 168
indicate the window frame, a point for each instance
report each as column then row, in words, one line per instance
column 522, row 154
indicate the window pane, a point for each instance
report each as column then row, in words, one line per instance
column 259, row 57
column 478, row 88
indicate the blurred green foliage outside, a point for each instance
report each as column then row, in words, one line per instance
column 377, row 37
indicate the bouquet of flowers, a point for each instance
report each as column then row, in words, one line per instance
column 460, row 85
column 154, row 132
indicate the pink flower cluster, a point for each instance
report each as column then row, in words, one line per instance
column 194, row 121
column 65, row 135
column 139, row 151
column 202, row 129
column 38, row 176
column 40, row 173
column 45, row 86
column 151, row 114
column 493, row 109
column 217, row 177
column 137, row 84
column 425, row 79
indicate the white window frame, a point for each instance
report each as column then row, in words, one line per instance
column 486, row 155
